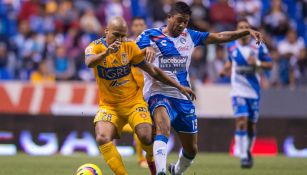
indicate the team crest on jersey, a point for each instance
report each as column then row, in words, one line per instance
column 183, row 40
column 124, row 58
column 114, row 62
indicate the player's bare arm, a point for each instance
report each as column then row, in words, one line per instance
column 149, row 53
column 94, row 60
column 262, row 64
column 222, row 37
column 161, row 76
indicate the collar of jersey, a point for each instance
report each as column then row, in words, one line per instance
column 162, row 27
column 249, row 44
column 104, row 42
column 161, row 30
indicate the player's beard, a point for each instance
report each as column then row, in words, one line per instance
column 246, row 40
column 177, row 31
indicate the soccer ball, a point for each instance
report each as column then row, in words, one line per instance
column 88, row 169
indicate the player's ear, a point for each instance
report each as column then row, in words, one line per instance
column 106, row 31
column 169, row 16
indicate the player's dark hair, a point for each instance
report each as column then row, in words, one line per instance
column 245, row 20
column 181, row 8
column 137, row 18
column 242, row 20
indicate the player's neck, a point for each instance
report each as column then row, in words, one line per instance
column 134, row 37
column 107, row 41
column 167, row 31
column 244, row 41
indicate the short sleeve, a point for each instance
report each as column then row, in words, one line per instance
column 137, row 55
column 143, row 40
column 198, row 38
column 92, row 49
column 230, row 47
column 264, row 54
column 229, row 58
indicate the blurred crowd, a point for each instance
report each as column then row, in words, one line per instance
column 44, row 40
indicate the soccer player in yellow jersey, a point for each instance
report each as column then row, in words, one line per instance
column 137, row 27
column 120, row 97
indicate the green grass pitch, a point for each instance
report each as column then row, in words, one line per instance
column 204, row 164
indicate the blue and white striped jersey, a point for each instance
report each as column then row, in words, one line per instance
column 245, row 80
column 173, row 56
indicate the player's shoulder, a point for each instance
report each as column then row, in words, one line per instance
column 129, row 42
column 130, row 46
column 193, row 32
column 152, row 31
column 231, row 46
column 254, row 46
column 96, row 42
column 261, row 47
column 94, row 47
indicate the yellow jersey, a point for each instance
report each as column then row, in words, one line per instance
column 118, row 81
column 39, row 78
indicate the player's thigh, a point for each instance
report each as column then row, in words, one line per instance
column 240, row 107
column 253, row 106
column 162, row 113
column 252, row 127
column 162, row 120
column 105, row 118
column 141, row 122
column 105, row 132
column 138, row 114
column 186, row 120
column 144, row 133
column 189, row 143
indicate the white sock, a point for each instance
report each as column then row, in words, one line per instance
column 241, row 142
column 183, row 163
column 160, row 152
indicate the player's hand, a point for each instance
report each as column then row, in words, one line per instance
column 114, row 47
column 251, row 61
column 150, row 54
column 222, row 73
column 257, row 36
column 188, row 93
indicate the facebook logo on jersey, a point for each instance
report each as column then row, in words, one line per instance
column 113, row 73
column 173, row 64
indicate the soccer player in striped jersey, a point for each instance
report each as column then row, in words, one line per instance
column 245, row 59
column 173, row 45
